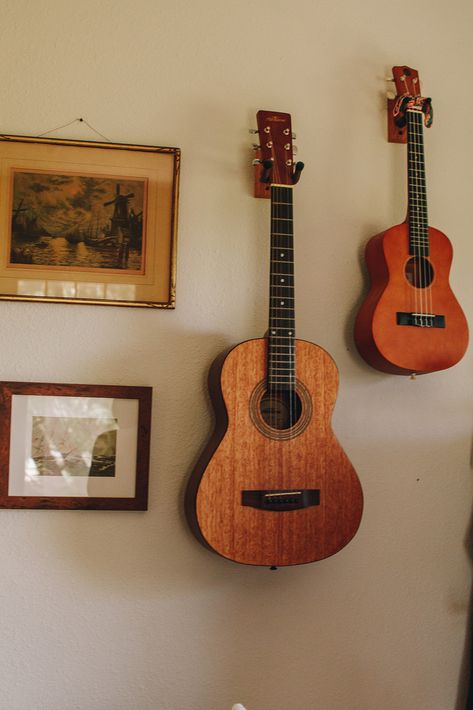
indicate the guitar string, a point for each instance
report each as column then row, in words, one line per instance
column 278, row 196
column 284, row 200
column 277, row 383
column 286, row 197
column 273, row 400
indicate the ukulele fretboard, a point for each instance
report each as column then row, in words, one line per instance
column 417, row 211
column 281, row 334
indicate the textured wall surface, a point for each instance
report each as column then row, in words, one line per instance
column 115, row 610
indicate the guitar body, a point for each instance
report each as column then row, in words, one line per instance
column 406, row 349
column 248, row 455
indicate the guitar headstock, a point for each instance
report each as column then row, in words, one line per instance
column 407, row 81
column 276, row 149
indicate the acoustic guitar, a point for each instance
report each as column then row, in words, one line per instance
column 410, row 321
column 273, row 487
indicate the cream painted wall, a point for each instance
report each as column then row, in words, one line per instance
column 112, row 611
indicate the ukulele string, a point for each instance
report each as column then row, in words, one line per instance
column 429, row 275
column 425, row 275
column 420, row 225
column 418, row 275
column 412, row 218
column 415, row 216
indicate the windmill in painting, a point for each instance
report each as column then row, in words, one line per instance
column 77, row 221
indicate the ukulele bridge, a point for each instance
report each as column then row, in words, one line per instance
column 421, row 320
column 279, row 500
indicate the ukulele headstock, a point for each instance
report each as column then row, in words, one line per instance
column 406, row 81
column 275, row 161
column 408, row 95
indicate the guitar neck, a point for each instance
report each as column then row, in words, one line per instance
column 281, row 333
column 417, row 194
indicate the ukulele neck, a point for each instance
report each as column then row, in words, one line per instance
column 281, row 333
column 417, row 195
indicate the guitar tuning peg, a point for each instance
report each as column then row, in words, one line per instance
column 256, row 146
column 293, row 136
column 253, row 130
column 389, row 78
column 256, row 162
column 294, row 149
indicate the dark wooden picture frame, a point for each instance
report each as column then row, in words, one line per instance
column 88, row 222
column 70, row 446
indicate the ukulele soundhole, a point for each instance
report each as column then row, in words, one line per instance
column 280, row 415
column 419, row 272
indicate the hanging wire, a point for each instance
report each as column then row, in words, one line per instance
column 75, row 120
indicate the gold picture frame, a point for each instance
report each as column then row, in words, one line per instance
column 88, row 222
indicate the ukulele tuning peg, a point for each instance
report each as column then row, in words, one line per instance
column 256, row 146
column 253, row 130
column 294, row 149
column 293, row 136
column 256, row 162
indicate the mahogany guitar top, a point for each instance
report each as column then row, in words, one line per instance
column 249, row 455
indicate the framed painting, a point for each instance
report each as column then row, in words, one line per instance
column 74, row 446
column 88, row 222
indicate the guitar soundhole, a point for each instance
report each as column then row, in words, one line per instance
column 281, row 415
column 419, row 272
column 281, row 410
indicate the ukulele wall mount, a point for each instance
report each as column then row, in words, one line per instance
column 397, row 122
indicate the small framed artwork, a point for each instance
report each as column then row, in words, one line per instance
column 74, row 446
column 88, row 222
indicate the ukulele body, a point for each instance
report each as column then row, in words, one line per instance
column 247, row 458
column 395, row 347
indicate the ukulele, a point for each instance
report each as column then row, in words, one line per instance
column 273, row 487
column 410, row 321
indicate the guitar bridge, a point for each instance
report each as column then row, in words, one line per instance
column 421, row 320
column 280, row 500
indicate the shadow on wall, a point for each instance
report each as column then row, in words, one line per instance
column 465, row 681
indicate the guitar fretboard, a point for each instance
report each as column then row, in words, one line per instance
column 417, row 211
column 281, row 334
